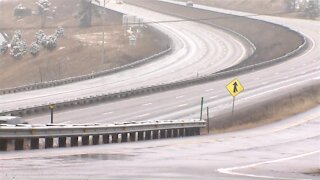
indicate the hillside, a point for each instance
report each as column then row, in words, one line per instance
column 272, row 7
column 78, row 52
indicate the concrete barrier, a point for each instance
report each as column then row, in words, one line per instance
column 26, row 137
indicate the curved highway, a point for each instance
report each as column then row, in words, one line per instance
column 303, row 70
column 197, row 50
column 288, row 149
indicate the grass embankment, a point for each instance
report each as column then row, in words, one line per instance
column 275, row 109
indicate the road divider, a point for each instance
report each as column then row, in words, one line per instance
column 26, row 136
column 69, row 80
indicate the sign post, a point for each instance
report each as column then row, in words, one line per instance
column 208, row 120
column 201, row 108
column 234, row 88
column 51, row 107
column 234, row 99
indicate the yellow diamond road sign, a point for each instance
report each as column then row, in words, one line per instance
column 234, row 88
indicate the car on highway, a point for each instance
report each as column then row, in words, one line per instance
column 11, row 120
column 119, row 2
column 189, row 3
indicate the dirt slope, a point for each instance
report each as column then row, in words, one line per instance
column 272, row 7
column 79, row 52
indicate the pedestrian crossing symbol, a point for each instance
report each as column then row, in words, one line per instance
column 234, row 88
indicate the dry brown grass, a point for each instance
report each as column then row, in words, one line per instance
column 72, row 57
column 315, row 172
column 276, row 7
column 267, row 112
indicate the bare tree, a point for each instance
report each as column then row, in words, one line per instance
column 49, row 41
column 3, row 47
column 312, row 9
column 34, row 49
column 18, row 46
column 85, row 12
column 43, row 9
column 290, row 5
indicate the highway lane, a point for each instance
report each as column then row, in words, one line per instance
column 287, row 149
column 184, row 103
column 198, row 49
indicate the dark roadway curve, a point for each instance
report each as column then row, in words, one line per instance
column 271, row 41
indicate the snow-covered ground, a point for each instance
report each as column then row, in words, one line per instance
column 1, row 37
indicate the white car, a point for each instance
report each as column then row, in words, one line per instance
column 10, row 120
column 119, row 2
column 189, row 3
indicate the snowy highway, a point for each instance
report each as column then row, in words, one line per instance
column 198, row 49
column 286, row 149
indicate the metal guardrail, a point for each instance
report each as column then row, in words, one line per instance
column 83, row 77
column 56, row 130
column 25, row 136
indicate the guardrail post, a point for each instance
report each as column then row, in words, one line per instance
column 34, row 143
column 106, row 138
column 74, row 141
column 85, row 140
column 3, row 144
column 62, row 141
column 144, row 135
column 151, row 135
column 100, row 139
column 48, row 142
column 95, row 139
column 19, row 144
